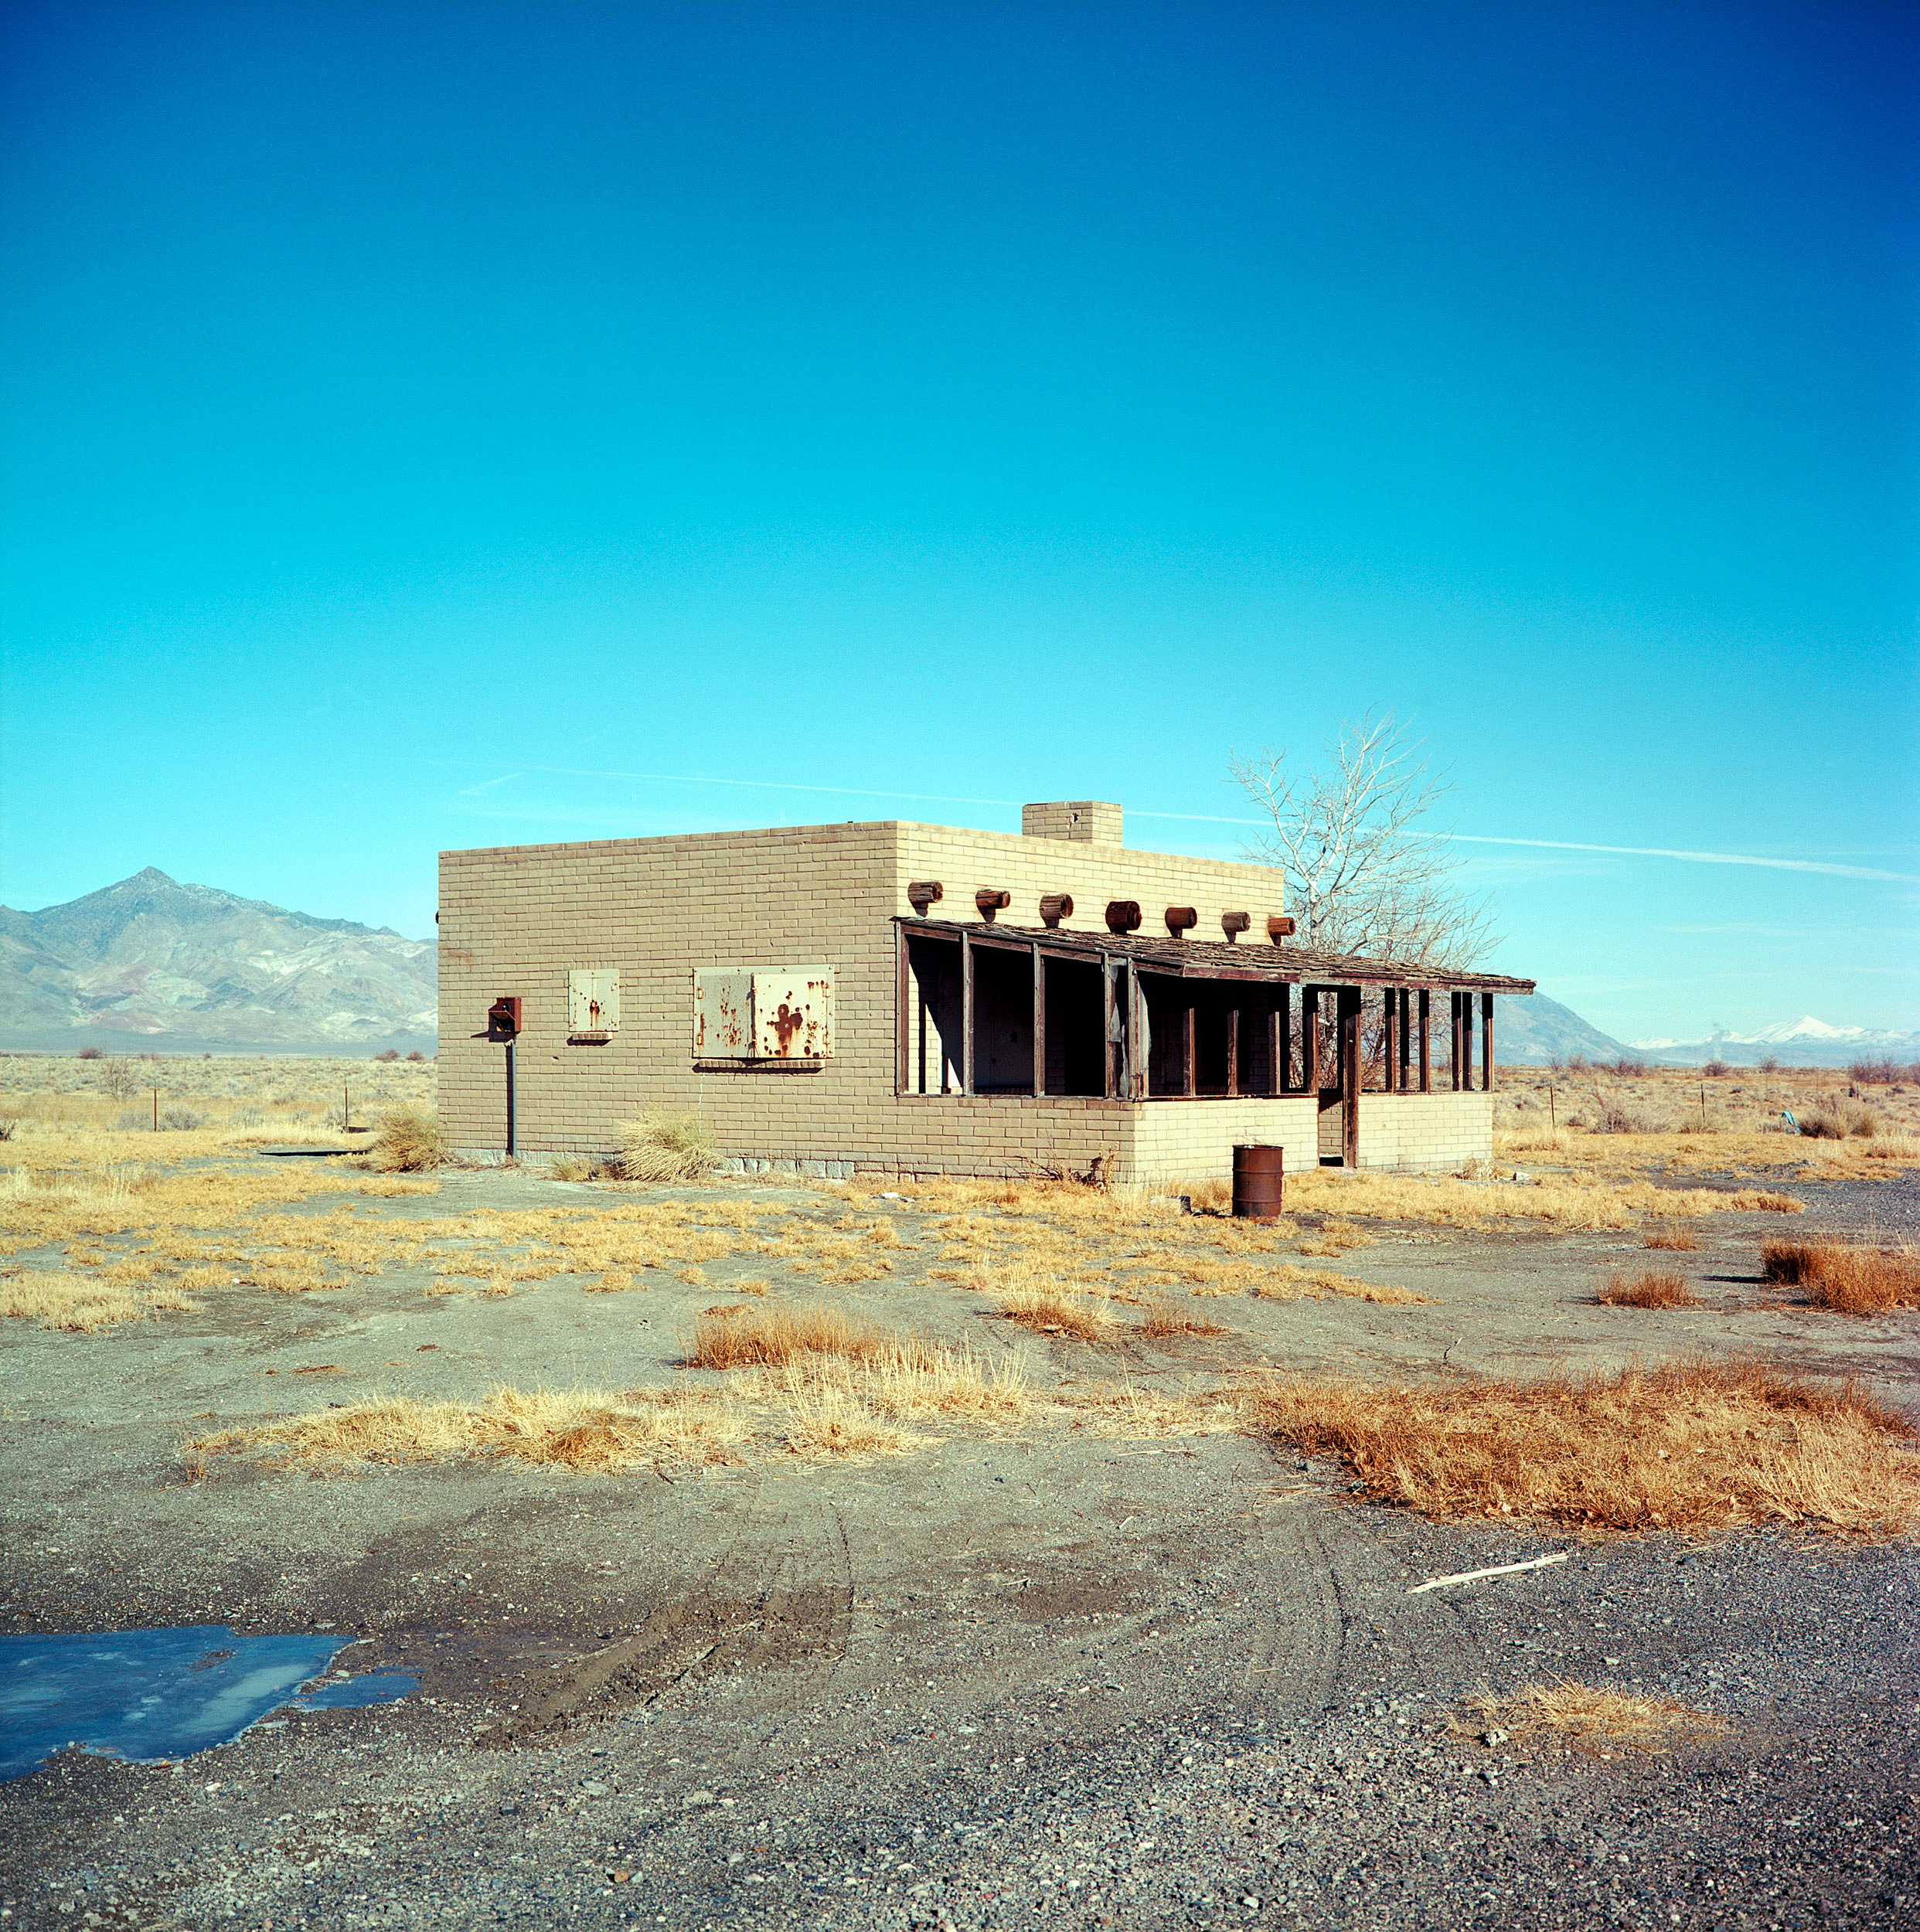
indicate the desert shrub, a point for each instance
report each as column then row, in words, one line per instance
column 90, row 1053
column 1846, row 1279
column 418, row 1057
column 1670, row 1234
column 1695, row 1445
column 409, row 1141
column 1716, row 1070
column 7, row 1129
column 1577, row 1064
column 120, row 1080
column 1651, row 1290
column 388, row 1058
column 134, row 1119
column 1865, row 1126
column 1882, row 1070
column 180, row 1119
column 1768, row 1063
column 1823, row 1123
column 569, row 1167
column 1614, row 1118
column 660, row 1146
column 1629, row 1070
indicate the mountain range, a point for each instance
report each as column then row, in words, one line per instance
column 1805, row 1041
column 151, row 964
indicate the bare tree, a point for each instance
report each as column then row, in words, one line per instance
column 1363, row 874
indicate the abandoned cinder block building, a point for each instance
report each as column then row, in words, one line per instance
column 907, row 1000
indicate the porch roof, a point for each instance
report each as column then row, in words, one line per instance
column 1284, row 964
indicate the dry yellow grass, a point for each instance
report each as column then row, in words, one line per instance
column 1048, row 1310
column 1120, row 1409
column 909, row 1382
column 1289, row 1283
column 74, row 1302
column 1705, row 1444
column 409, row 1141
column 824, row 1422
column 739, row 1337
column 1559, row 1201
column 1335, row 1236
column 1848, row 1279
column 1652, row 1288
column 587, row 1431
column 1164, row 1317
column 1673, row 1235
column 1592, row 1718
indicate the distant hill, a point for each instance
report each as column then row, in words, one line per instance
column 1533, row 1030
column 153, row 965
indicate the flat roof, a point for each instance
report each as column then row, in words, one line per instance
column 1286, row 963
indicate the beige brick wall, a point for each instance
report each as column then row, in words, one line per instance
column 516, row 918
column 1426, row 1131
column 1194, row 1140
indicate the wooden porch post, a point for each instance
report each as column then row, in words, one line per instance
column 1406, row 1034
column 1466, row 1041
column 1486, row 1043
column 1279, row 1042
column 1310, row 1040
column 1453, row 1038
column 1040, row 1024
column 966, row 1013
column 1232, row 1050
column 1187, row 1055
column 1426, row 1041
column 1389, row 1037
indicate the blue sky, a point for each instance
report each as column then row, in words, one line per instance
column 426, row 427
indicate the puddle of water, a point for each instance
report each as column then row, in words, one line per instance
column 151, row 1694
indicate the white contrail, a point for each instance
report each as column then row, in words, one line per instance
column 1832, row 869
column 1830, row 866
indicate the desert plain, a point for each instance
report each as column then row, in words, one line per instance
column 920, row 1552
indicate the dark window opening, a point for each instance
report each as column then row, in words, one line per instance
column 1002, row 1021
column 1076, row 1029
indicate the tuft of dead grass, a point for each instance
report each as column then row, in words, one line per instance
column 740, row 1338
column 1674, row 1235
column 825, row 1420
column 1711, row 1443
column 410, row 1141
column 588, row 1431
column 1335, row 1238
column 1166, row 1317
column 1289, row 1283
column 1848, row 1280
column 1049, row 1310
column 1652, row 1288
column 80, row 1303
column 663, row 1147
column 1592, row 1718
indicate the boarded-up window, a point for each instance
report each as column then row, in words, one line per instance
column 768, row 1013
column 593, row 1000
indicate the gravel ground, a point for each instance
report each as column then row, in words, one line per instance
column 1046, row 1677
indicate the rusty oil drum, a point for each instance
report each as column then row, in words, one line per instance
column 1257, row 1180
